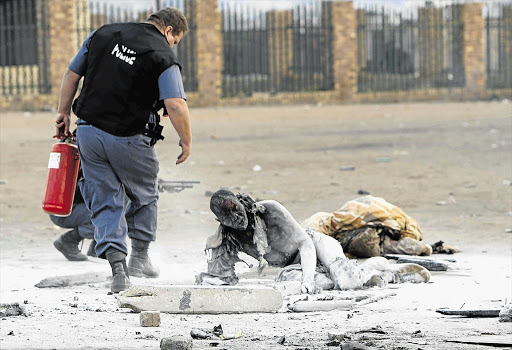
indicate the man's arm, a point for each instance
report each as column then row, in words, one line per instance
column 290, row 230
column 67, row 93
column 170, row 85
column 180, row 119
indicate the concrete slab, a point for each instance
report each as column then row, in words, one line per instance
column 195, row 299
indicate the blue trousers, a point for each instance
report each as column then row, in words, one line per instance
column 79, row 219
column 119, row 186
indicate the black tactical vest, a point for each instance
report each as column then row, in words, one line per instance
column 121, row 80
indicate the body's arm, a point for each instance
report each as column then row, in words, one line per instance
column 308, row 262
column 180, row 119
column 67, row 93
column 279, row 220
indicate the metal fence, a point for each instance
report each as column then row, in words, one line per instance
column 269, row 49
column 275, row 46
column 498, row 25
column 93, row 14
column 23, row 47
column 410, row 49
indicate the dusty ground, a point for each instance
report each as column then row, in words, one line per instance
column 416, row 156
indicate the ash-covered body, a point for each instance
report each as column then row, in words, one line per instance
column 268, row 232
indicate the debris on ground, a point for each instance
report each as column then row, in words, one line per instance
column 321, row 305
column 176, row 343
column 12, row 309
column 150, row 319
column 73, row 280
column 429, row 264
column 506, row 313
column 354, row 346
column 489, row 340
column 332, row 300
column 469, row 313
column 216, row 333
column 440, row 248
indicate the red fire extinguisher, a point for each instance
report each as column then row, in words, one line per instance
column 62, row 176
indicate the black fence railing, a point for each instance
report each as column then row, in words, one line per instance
column 23, row 47
column 274, row 49
column 277, row 46
column 498, row 25
column 409, row 49
column 95, row 13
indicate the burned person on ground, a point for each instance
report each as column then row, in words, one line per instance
column 266, row 231
column 370, row 226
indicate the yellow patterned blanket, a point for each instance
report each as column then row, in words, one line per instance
column 365, row 211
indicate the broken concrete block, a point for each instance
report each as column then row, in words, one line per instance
column 192, row 299
column 506, row 314
column 13, row 309
column 73, row 280
column 150, row 319
column 176, row 343
column 321, row 305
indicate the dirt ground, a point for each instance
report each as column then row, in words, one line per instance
column 447, row 165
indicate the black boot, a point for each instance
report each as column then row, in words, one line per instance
column 120, row 279
column 67, row 244
column 139, row 264
column 92, row 251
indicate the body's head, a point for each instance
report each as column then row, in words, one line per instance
column 171, row 22
column 229, row 210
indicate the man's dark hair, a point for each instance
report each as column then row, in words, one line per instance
column 170, row 16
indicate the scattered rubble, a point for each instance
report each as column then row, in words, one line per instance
column 176, row 343
column 216, row 333
column 12, row 309
column 505, row 314
column 150, row 319
column 469, row 313
column 73, row 280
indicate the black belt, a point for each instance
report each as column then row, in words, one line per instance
column 82, row 122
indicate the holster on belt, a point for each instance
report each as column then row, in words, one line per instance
column 153, row 127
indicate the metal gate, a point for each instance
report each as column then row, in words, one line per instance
column 93, row 14
column 23, row 47
column 276, row 48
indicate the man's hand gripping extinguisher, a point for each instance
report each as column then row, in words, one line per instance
column 63, row 168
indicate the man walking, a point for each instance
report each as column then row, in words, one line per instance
column 128, row 69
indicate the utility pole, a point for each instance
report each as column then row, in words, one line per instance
column 157, row 5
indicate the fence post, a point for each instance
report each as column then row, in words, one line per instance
column 210, row 59
column 430, row 23
column 474, row 47
column 344, row 30
column 506, row 41
column 61, row 28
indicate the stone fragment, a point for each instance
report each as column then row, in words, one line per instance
column 150, row 319
column 13, row 309
column 321, row 305
column 194, row 299
column 73, row 280
column 176, row 343
column 506, row 314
